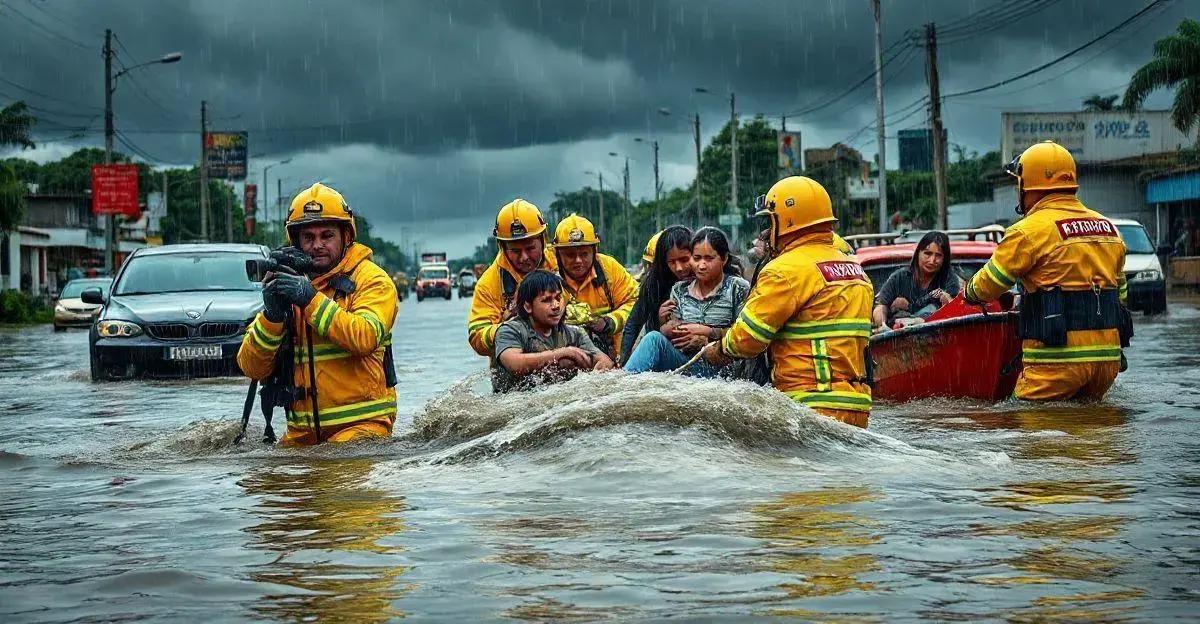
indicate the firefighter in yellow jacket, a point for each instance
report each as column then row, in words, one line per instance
column 520, row 233
column 1070, row 263
column 341, row 315
column 811, row 307
column 600, row 292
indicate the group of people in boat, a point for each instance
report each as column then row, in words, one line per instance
column 551, row 304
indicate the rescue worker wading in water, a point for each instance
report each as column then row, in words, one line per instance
column 344, row 309
column 811, row 307
column 520, row 233
column 600, row 293
column 1070, row 262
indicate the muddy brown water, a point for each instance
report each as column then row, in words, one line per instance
column 607, row 498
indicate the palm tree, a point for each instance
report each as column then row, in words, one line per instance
column 1098, row 103
column 15, row 124
column 1176, row 64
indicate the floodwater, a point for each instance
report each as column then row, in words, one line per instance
column 606, row 498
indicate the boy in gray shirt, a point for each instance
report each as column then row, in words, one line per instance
column 536, row 346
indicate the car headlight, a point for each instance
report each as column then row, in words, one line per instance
column 118, row 329
column 58, row 307
column 1147, row 276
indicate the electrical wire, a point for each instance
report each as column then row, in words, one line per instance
column 137, row 85
column 1051, row 63
column 46, row 30
column 127, row 142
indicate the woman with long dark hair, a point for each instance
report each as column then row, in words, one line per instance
column 705, row 307
column 672, row 262
column 918, row 290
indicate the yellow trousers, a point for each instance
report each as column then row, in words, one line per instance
column 1080, row 381
column 850, row 417
column 365, row 430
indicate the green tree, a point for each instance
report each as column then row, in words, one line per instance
column 182, row 221
column 1176, row 64
column 757, row 168
column 1098, row 103
column 387, row 254
column 15, row 125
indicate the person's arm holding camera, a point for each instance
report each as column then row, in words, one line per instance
column 264, row 336
column 359, row 328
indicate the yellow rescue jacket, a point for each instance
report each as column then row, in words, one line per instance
column 1059, row 244
column 350, row 336
column 811, row 306
column 494, row 292
column 609, row 294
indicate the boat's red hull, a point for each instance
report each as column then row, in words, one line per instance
column 972, row 356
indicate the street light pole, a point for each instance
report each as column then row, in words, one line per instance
column 270, row 216
column 110, row 220
column 204, row 170
column 628, row 216
column 879, row 134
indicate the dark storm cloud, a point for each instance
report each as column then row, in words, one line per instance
column 478, row 100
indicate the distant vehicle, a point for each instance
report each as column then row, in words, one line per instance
column 466, row 283
column 400, row 279
column 433, row 281
column 1143, row 270
column 175, row 311
column 433, row 257
column 71, row 311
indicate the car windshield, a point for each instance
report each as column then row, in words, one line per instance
column 184, row 272
column 74, row 288
column 1136, row 241
column 430, row 274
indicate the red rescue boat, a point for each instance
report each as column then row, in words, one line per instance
column 960, row 351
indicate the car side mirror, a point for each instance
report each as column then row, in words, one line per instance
column 92, row 295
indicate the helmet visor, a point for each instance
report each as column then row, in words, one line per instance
column 761, row 206
column 1014, row 168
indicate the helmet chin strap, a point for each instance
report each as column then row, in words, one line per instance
column 1020, row 198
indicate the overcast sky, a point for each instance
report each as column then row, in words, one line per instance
column 429, row 115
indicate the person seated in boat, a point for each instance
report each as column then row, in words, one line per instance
column 919, row 289
column 704, row 307
column 537, row 346
column 671, row 262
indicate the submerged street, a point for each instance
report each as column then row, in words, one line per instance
column 608, row 497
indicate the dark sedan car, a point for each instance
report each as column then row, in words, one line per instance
column 175, row 311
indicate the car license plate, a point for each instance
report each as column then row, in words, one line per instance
column 202, row 352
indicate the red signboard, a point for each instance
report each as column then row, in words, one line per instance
column 250, row 200
column 115, row 190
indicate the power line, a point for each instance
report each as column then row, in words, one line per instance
column 46, row 30
column 1039, row 68
column 43, row 95
column 127, row 142
column 137, row 85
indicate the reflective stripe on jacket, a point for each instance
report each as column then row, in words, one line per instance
column 811, row 306
column 489, row 303
column 1060, row 242
column 350, row 336
column 621, row 285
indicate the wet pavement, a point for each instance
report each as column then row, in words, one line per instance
column 610, row 497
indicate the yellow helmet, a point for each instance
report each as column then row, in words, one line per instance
column 794, row 203
column 1044, row 166
column 518, row 220
column 648, row 255
column 575, row 231
column 319, row 203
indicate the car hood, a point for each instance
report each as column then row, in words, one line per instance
column 1142, row 262
column 225, row 305
column 77, row 304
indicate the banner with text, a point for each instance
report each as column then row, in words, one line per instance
column 115, row 190
column 1092, row 136
column 788, row 144
column 226, row 155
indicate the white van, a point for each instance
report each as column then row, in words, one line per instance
column 1143, row 271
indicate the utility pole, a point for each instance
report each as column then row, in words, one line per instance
column 204, row 170
column 935, row 119
column 658, row 226
column 166, row 203
column 282, row 215
column 733, row 158
column 879, row 129
column 228, row 214
column 110, row 221
column 696, row 136
column 628, row 216
column 603, row 231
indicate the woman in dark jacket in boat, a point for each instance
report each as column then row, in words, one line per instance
column 919, row 289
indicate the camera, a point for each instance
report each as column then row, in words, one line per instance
column 282, row 260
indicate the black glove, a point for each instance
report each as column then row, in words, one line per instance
column 294, row 289
column 293, row 258
column 275, row 306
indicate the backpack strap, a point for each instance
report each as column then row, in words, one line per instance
column 602, row 280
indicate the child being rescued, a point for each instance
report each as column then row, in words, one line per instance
column 536, row 346
column 699, row 310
